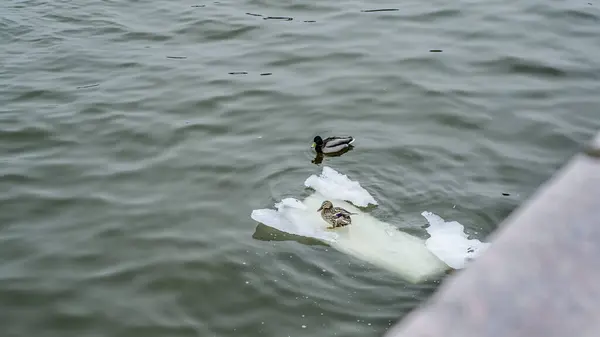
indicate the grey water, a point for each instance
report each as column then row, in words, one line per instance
column 137, row 136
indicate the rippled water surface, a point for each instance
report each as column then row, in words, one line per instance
column 137, row 136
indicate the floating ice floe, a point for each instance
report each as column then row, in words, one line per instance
column 368, row 238
column 449, row 242
column 335, row 185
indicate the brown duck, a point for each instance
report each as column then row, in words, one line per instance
column 335, row 216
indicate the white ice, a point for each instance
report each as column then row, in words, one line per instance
column 449, row 242
column 288, row 218
column 368, row 238
column 335, row 185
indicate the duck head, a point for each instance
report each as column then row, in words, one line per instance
column 317, row 142
column 325, row 205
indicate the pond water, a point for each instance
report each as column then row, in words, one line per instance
column 136, row 138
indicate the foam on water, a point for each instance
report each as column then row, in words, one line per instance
column 368, row 238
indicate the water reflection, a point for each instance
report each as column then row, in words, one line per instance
column 266, row 233
column 320, row 156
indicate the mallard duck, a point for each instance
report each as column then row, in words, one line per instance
column 336, row 216
column 332, row 144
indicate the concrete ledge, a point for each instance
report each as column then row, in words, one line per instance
column 540, row 277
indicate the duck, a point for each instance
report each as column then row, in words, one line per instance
column 333, row 144
column 335, row 216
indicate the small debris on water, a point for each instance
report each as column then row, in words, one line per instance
column 177, row 57
column 505, row 194
column 309, row 21
column 253, row 14
column 266, row 74
column 435, row 50
column 198, row 6
column 238, row 73
column 88, row 86
column 303, row 326
column 380, row 10
column 284, row 18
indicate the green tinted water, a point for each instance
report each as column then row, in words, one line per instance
column 132, row 158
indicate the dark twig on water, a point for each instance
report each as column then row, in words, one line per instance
column 285, row 18
column 238, row 73
column 266, row 74
column 252, row 14
column 380, row 10
column 177, row 57
column 435, row 50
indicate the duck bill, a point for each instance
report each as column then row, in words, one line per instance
column 313, row 145
column 320, row 208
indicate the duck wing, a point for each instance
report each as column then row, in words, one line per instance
column 340, row 212
column 334, row 149
column 341, row 222
column 336, row 141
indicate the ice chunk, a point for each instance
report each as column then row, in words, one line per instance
column 450, row 243
column 334, row 185
column 287, row 218
column 289, row 202
column 367, row 238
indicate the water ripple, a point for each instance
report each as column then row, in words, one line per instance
column 137, row 137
